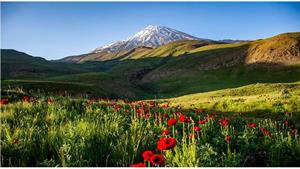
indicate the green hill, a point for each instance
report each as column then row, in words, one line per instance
column 15, row 64
column 172, row 70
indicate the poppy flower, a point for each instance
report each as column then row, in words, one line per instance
column 166, row 115
column 4, row 101
column 152, row 103
column 172, row 122
column 228, row 138
column 224, row 122
column 138, row 165
column 165, row 106
column 26, row 98
column 178, row 113
column 147, row 155
column 183, row 118
column 157, row 159
column 266, row 132
column 197, row 128
column 252, row 125
column 166, row 143
column 202, row 121
column 147, row 115
column 165, row 132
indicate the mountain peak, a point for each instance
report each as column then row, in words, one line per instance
column 152, row 27
column 152, row 36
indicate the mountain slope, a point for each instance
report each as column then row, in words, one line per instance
column 176, row 48
column 281, row 50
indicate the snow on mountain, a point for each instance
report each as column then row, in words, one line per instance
column 151, row 36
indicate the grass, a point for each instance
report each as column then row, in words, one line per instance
column 260, row 100
column 60, row 131
column 53, row 87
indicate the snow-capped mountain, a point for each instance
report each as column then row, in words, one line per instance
column 151, row 36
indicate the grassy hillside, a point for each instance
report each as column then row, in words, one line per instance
column 255, row 98
column 192, row 81
column 172, row 70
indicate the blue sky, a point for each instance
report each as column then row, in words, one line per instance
column 57, row 29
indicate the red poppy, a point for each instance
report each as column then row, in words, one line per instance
column 172, row 122
column 138, row 165
column 165, row 106
column 224, row 122
column 147, row 155
column 152, row 103
column 166, row 143
column 166, row 115
column 147, row 115
column 252, row 125
column 202, row 121
column 157, row 159
column 197, row 128
column 165, row 132
column 26, row 98
column 228, row 138
column 4, row 101
column 266, row 132
column 183, row 118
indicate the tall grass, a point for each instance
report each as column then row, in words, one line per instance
column 68, row 132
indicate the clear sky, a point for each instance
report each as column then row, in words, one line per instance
column 57, row 29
